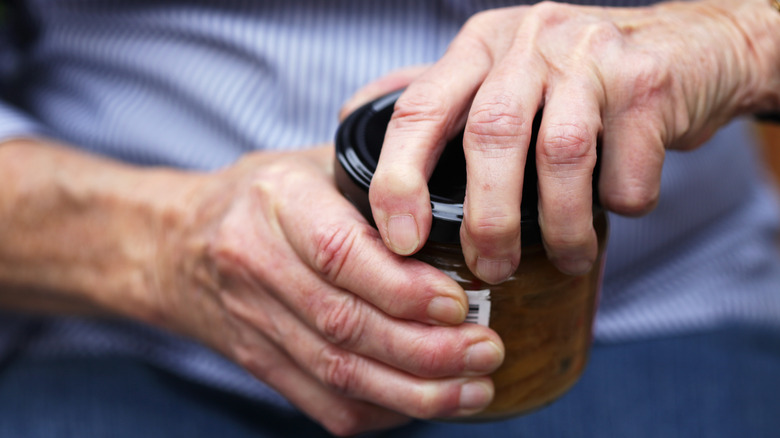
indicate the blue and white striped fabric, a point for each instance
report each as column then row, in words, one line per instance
column 196, row 84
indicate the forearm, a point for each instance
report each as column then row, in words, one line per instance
column 756, row 25
column 80, row 233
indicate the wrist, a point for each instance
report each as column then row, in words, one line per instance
column 151, row 211
column 754, row 28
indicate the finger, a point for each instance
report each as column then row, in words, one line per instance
column 631, row 163
column 429, row 112
column 337, row 243
column 393, row 81
column 346, row 321
column 565, row 159
column 358, row 377
column 496, row 139
column 346, row 373
column 361, row 378
column 348, row 254
column 338, row 413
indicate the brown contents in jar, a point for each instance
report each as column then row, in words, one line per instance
column 544, row 318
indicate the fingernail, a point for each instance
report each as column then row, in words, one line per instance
column 484, row 357
column 446, row 310
column 494, row 271
column 474, row 396
column 402, row 234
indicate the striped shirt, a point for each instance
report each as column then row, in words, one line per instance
column 197, row 84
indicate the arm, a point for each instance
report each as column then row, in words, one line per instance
column 65, row 217
column 637, row 81
column 264, row 261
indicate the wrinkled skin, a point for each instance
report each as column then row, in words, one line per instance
column 638, row 81
column 268, row 264
column 285, row 277
column 311, row 299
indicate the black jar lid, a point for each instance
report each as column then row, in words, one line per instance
column 359, row 140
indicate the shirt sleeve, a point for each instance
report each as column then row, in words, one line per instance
column 15, row 123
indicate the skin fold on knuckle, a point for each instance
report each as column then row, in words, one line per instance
column 493, row 130
column 340, row 320
column 259, row 362
column 564, row 241
column 441, row 352
column 419, row 109
column 648, row 77
column 392, row 187
column 599, row 37
column 238, row 248
column 226, row 252
column 567, row 231
column 431, row 355
column 336, row 246
column 492, row 230
column 339, row 370
column 566, row 147
column 413, row 289
column 651, row 91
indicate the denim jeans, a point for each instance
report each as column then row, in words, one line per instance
column 719, row 384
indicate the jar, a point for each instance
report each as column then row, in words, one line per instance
column 544, row 317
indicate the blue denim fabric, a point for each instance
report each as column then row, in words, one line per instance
column 721, row 384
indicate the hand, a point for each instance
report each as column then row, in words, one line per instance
column 637, row 80
column 276, row 270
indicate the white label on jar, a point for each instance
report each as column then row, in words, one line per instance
column 479, row 307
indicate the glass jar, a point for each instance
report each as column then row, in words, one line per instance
column 544, row 317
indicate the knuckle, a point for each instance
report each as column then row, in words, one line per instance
column 338, row 370
column 426, row 410
column 567, row 145
column 422, row 103
column 601, row 33
column 568, row 239
column 648, row 79
column 267, row 178
column 550, row 12
column 658, row 94
column 483, row 36
column 249, row 359
column 334, row 247
column 395, row 184
column 634, row 198
column 225, row 249
column 486, row 225
column 482, row 26
column 341, row 322
column 428, row 355
column 432, row 401
column 481, row 21
column 495, row 125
